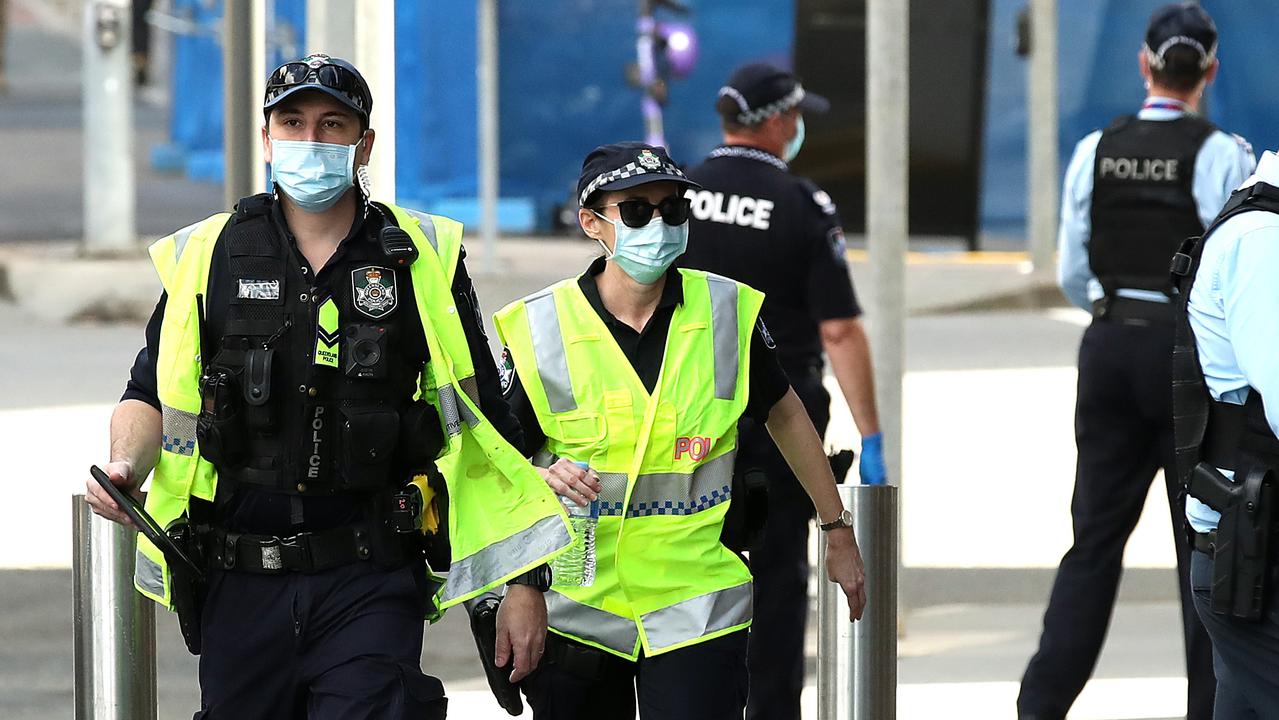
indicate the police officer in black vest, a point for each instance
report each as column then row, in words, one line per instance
column 316, row 592
column 756, row 222
column 1132, row 193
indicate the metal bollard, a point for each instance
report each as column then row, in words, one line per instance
column 114, row 625
column 857, row 662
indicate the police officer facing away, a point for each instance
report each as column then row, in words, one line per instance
column 314, row 367
column 757, row 223
column 1132, row 193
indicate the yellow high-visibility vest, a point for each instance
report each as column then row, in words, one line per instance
column 663, row 578
column 503, row 519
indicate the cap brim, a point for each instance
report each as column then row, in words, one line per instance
column 646, row 178
column 335, row 94
column 814, row 103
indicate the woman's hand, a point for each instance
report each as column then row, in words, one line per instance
column 570, row 481
column 844, row 566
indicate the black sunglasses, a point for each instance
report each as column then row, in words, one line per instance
column 675, row 210
column 334, row 77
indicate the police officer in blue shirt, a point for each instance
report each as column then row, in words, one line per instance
column 757, row 222
column 1132, row 193
column 1231, row 310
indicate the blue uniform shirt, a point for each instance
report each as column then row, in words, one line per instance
column 1222, row 164
column 1233, row 307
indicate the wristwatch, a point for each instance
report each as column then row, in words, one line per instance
column 845, row 520
column 539, row 578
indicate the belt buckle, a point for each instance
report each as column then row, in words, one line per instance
column 292, row 553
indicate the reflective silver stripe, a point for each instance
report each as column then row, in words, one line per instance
column 697, row 617
column 683, row 493
column 588, row 623
column 147, row 574
column 505, row 558
column 724, row 327
column 452, row 410
column 178, row 431
column 612, row 495
column 180, row 239
column 471, row 387
column 425, row 222
column 548, row 351
column 449, row 412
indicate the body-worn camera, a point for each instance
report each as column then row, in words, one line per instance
column 366, row 351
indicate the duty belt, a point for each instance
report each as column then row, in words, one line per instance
column 1206, row 542
column 305, row 552
column 1131, row 311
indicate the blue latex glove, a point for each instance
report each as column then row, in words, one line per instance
column 872, row 470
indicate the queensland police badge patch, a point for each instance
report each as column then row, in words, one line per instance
column 373, row 289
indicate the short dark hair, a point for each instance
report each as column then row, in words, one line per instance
column 1181, row 70
column 728, row 110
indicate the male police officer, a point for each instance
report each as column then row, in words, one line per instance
column 1226, row 439
column 757, row 223
column 1132, row 193
column 312, row 352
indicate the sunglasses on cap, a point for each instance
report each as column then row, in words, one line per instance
column 334, row 77
column 674, row 209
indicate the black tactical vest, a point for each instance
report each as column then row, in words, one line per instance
column 1143, row 203
column 1224, row 435
column 310, row 393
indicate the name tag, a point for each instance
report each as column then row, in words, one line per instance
column 259, row 290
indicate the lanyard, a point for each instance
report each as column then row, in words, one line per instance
column 1165, row 105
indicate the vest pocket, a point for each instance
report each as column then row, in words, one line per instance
column 581, row 428
column 369, row 438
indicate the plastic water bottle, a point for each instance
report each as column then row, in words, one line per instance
column 576, row 565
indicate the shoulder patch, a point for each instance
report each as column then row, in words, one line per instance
column 766, row 336
column 838, row 243
column 824, row 202
column 506, row 371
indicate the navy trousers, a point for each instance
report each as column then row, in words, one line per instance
column 1123, row 430
column 780, row 566
column 345, row 643
column 706, row 681
column 1245, row 654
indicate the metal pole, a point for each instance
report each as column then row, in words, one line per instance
column 109, row 214
column 1042, row 136
column 114, row 625
column 330, row 28
column 857, row 662
column 887, row 162
column 243, row 57
column 375, row 57
column 486, row 78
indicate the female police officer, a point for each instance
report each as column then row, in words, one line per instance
column 641, row 372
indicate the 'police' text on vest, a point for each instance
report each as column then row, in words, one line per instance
column 731, row 210
column 1156, row 169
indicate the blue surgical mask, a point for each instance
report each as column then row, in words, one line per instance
column 645, row 253
column 314, row 175
column 797, row 142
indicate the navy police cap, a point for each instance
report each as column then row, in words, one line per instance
column 319, row 72
column 626, row 165
column 760, row 91
column 1185, row 24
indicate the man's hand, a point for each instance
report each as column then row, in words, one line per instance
column 569, row 480
column 521, row 630
column 121, row 474
column 844, row 566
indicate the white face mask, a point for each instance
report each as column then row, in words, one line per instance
column 314, row 175
column 645, row 253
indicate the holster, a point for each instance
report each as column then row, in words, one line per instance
column 747, row 515
column 187, row 585
column 1241, row 557
column 483, row 612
